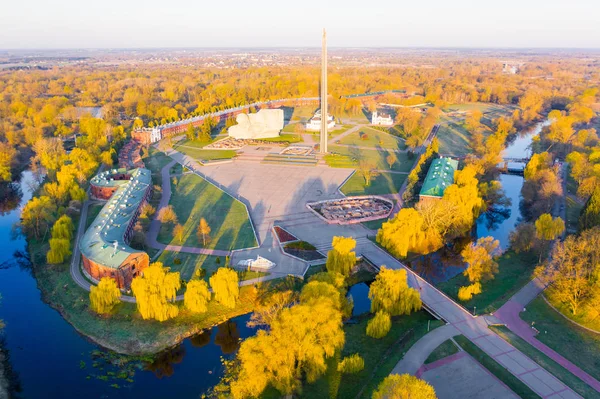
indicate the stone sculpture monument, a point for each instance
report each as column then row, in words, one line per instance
column 266, row 123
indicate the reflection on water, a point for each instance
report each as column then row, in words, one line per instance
column 53, row 361
column 360, row 296
column 498, row 222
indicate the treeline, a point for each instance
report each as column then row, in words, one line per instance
column 42, row 104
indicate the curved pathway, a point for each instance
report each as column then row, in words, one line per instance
column 509, row 315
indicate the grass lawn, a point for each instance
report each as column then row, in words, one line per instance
column 574, row 343
column 367, row 137
column 383, row 183
column 93, row 211
column 495, row 368
column 550, row 365
column 206, row 155
column 454, row 138
column 380, row 356
column 378, row 157
column 446, row 349
column 194, row 198
column 155, row 161
column 285, row 138
column 189, row 263
column 515, row 272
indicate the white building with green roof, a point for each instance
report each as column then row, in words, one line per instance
column 439, row 176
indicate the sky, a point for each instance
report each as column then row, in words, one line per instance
column 42, row 24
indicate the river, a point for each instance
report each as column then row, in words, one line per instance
column 445, row 264
column 51, row 360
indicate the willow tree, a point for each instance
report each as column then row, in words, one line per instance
column 196, row 296
column 379, row 325
column 63, row 228
column 225, row 285
column 402, row 233
column 404, row 386
column 60, row 248
column 390, row 293
column 481, row 259
column 351, row 364
column 154, row 290
column 104, row 296
column 37, row 214
column 548, row 228
column 296, row 348
column 341, row 258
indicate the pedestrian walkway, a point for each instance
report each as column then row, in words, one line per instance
column 475, row 329
column 509, row 315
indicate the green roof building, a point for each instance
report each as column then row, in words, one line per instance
column 104, row 246
column 439, row 176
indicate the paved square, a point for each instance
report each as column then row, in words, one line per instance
column 465, row 378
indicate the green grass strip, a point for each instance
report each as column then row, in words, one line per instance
column 547, row 363
column 516, row 385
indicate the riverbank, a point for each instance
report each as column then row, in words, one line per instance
column 124, row 331
column 4, row 385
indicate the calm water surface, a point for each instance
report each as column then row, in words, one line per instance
column 53, row 361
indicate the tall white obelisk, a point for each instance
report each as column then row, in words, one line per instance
column 324, row 114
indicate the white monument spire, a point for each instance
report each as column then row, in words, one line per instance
column 324, row 114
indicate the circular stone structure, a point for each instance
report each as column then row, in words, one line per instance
column 352, row 210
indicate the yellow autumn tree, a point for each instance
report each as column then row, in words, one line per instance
column 154, row 290
column 341, row 258
column 390, row 293
column 379, row 325
column 203, row 232
column 404, row 386
column 297, row 347
column 225, row 285
column 196, row 296
column 402, row 233
column 104, row 296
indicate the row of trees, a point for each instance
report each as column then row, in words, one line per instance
column 156, row 289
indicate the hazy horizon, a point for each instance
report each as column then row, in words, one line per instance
column 136, row 24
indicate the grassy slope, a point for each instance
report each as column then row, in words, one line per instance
column 446, row 349
column 380, row 356
column 155, row 162
column 515, row 272
column 550, row 365
column 384, row 183
column 192, row 262
column 495, row 368
column 576, row 344
column 403, row 164
column 375, row 139
column 193, row 198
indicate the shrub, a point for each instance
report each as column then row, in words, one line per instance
column 351, row 364
column 379, row 325
column 300, row 245
column 466, row 293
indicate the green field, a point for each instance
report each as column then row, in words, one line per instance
column 155, row 161
column 194, row 198
column 206, row 155
column 380, row 356
column 190, row 263
column 373, row 138
column 383, row 183
column 378, row 157
column 515, row 270
column 550, row 365
column 446, row 349
column 453, row 136
column 93, row 211
column 580, row 346
column 285, row 138
column 516, row 385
